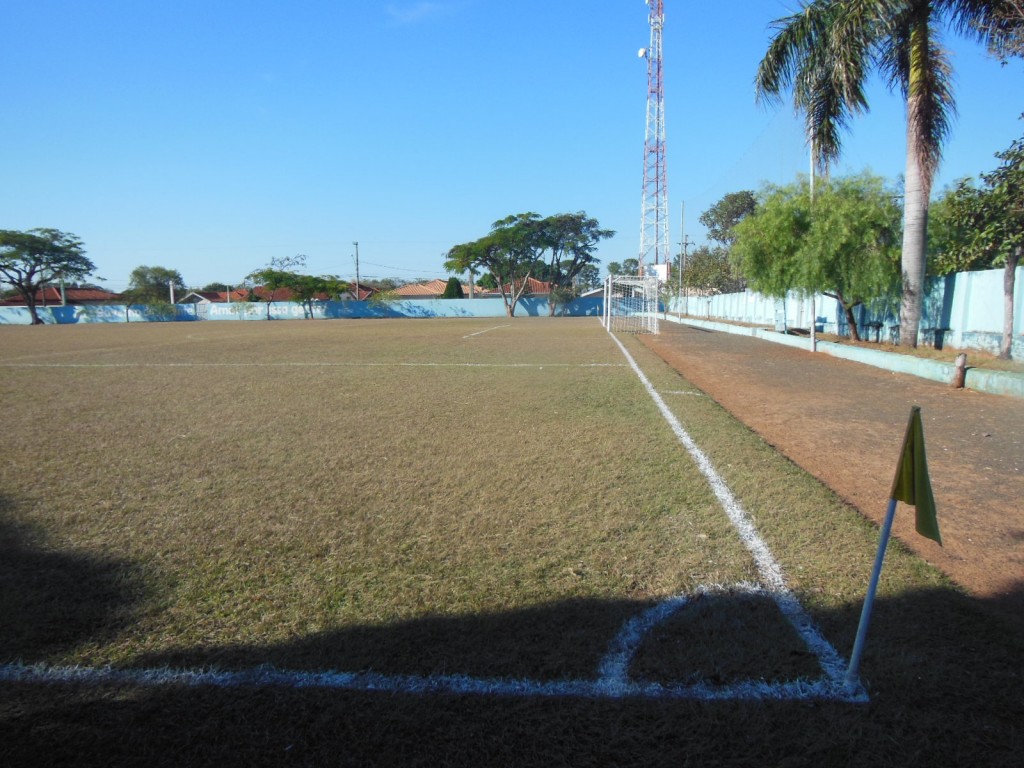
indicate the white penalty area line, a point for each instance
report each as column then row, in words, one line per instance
column 613, row 680
column 832, row 664
column 486, row 330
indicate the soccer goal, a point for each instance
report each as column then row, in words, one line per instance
column 631, row 304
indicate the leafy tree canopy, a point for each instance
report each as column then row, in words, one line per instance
column 844, row 244
column 452, row 289
column 152, row 285
column 723, row 216
column 626, row 267
column 32, row 259
column 279, row 276
column 589, row 277
column 709, row 271
column 525, row 245
column 982, row 226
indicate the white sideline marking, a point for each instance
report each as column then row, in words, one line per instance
column 750, row 690
column 832, row 664
column 613, row 680
column 312, row 365
column 486, row 330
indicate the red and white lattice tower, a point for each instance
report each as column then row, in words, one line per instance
column 654, row 242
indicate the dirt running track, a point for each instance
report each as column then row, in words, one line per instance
column 844, row 422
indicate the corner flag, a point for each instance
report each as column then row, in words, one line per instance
column 911, row 484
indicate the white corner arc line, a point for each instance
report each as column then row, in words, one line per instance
column 832, row 664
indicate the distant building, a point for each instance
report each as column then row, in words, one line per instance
column 51, row 297
column 434, row 289
column 214, row 297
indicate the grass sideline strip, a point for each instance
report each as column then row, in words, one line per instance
column 832, row 663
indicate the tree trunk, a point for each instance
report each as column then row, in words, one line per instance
column 915, row 237
column 848, row 311
column 31, row 304
column 917, row 186
column 1009, row 283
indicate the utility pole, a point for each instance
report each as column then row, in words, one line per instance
column 654, row 242
column 686, row 287
column 170, row 285
column 356, row 244
column 682, row 252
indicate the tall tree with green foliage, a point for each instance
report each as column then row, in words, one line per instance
column 723, row 216
column 525, row 245
column 569, row 240
column 510, row 254
column 983, row 227
column 708, row 271
column 844, row 244
column 154, row 285
column 826, row 52
column 452, row 289
column 309, row 288
column 589, row 277
column 627, row 267
column 280, row 276
column 36, row 258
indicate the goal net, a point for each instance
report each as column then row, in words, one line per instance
column 631, row 304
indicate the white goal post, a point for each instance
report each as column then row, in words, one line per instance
column 631, row 304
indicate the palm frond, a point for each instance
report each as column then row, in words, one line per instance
column 823, row 53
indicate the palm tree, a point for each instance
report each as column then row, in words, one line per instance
column 826, row 52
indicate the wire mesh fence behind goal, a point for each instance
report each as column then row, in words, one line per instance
column 631, row 304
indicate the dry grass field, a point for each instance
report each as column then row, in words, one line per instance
column 434, row 500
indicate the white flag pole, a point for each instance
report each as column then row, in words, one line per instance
column 869, row 599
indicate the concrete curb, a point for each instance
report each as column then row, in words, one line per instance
column 992, row 382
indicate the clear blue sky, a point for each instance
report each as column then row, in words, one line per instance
column 210, row 136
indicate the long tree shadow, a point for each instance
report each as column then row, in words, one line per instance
column 944, row 679
column 944, row 676
column 52, row 601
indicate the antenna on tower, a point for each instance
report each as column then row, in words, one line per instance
column 654, row 242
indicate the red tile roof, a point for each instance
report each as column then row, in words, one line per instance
column 50, row 296
column 432, row 289
column 435, row 288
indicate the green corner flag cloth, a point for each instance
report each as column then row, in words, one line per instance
column 911, row 484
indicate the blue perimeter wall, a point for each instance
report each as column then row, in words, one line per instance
column 283, row 310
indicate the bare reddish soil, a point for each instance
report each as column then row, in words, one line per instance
column 844, row 423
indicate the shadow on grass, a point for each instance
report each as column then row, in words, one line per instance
column 945, row 682
column 707, row 640
column 52, row 601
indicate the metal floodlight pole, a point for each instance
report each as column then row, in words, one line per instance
column 654, row 240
